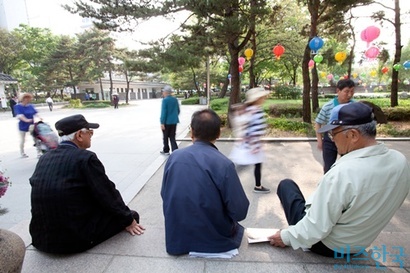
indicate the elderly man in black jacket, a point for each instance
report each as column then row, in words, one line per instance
column 74, row 205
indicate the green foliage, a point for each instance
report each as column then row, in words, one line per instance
column 389, row 130
column 285, row 110
column 190, row 101
column 285, row 124
column 76, row 103
column 287, row 92
column 397, row 113
column 219, row 105
column 96, row 103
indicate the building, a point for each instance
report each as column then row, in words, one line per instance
column 13, row 13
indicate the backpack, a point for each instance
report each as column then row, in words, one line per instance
column 239, row 119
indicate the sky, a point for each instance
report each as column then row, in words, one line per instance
column 50, row 14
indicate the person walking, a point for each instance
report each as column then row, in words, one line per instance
column 12, row 103
column 345, row 92
column 169, row 120
column 50, row 102
column 115, row 100
column 25, row 113
column 249, row 151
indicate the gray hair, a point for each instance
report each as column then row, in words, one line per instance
column 71, row 136
column 367, row 130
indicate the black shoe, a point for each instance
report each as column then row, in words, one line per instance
column 164, row 153
column 262, row 189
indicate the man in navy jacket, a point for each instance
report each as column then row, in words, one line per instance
column 169, row 119
column 203, row 198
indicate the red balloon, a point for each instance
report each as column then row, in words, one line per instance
column 385, row 70
column 278, row 50
column 372, row 52
column 240, row 69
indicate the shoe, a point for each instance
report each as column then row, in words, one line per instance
column 164, row 153
column 24, row 155
column 261, row 190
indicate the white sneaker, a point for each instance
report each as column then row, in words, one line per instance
column 24, row 155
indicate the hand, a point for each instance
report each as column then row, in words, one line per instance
column 162, row 127
column 320, row 144
column 276, row 240
column 135, row 228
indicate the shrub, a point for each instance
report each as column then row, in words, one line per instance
column 190, row 101
column 219, row 104
column 75, row 103
column 285, row 124
column 287, row 92
column 397, row 113
column 287, row 110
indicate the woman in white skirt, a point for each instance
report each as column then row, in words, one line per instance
column 248, row 151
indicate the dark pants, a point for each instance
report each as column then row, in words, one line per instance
column 329, row 152
column 293, row 204
column 258, row 174
column 169, row 133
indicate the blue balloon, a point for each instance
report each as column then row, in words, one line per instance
column 316, row 43
column 406, row 65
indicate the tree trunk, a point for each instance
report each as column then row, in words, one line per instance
column 252, row 81
column 222, row 94
column 101, row 89
column 397, row 56
column 111, row 84
column 306, row 110
column 315, row 83
column 235, row 80
column 127, row 90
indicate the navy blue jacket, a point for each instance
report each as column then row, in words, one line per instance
column 203, row 200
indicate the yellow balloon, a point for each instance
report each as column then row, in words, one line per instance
column 340, row 56
column 373, row 73
column 354, row 75
column 248, row 53
column 323, row 74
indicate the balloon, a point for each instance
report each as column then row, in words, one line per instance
column 229, row 76
column 329, row 77
column 315, row 44
column 373, row 73
column 318, row 59
column 248, row 53
column 278, row 50
column 322, row 74
column 241, row 61
column 311, row 64
column 397, row 67
column 240, row 69
column 354, row 75
column 385, row 70
column 406, row 65
column 372, row 52
column 363, row 75
column 340, row 57
column 369, row 34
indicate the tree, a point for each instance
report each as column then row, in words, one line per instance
column 9, row 52
column 381, row 16
column 329, row 16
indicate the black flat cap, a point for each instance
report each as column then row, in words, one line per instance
column 72, row 124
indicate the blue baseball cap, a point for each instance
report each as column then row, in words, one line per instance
column 354, row 113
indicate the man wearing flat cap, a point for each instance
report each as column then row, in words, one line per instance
column 74, row 205
column 355, row 199
column 169, row 120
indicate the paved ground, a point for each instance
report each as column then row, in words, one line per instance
column 128, row 143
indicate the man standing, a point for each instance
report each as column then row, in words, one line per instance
column 345, row 92
column 169, row 119
column 203, row 198
column 355, row 199
column 12, row 103
column 74, row 205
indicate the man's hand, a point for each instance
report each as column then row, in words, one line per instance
column 276, row 240
column 135, row 228
column 162, row 127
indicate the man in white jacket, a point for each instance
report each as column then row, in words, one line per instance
column 355, row 199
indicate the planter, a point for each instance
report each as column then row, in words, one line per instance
column 12, row 251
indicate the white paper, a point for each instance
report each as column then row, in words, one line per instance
column 222, row 255
column 259, row 235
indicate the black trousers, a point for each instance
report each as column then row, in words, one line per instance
column 293, row 204
column 329, row 153
column 169, row 133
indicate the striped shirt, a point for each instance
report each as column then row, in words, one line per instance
column 256, row 127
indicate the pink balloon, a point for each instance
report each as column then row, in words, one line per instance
column 311, row 63
column 329, row 77
column 370, row 34
column 372, row 52
column 241, row 60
